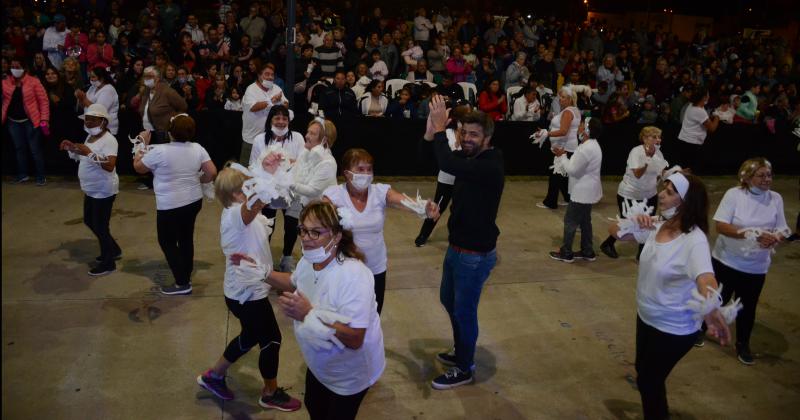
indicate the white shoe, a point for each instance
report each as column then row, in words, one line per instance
column 563, row 203
column 543, row 206
column 287, row 264
column 142, row 187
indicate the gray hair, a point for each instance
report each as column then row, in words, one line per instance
column 152, row 69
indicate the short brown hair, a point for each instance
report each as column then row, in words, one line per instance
column 182, row 127
column 353, row 157
column 327, row 216
column 328, row 128
column 480, row 118
column 649, row 131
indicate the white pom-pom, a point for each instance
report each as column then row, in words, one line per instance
column 559, row 165
column 730, row 310
column 417, row 205
column 345, row 217
column 703, row 305
column 539, row 137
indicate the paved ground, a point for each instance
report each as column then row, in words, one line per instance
column 557, row 340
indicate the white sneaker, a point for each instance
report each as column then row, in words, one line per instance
column 543, row 206
column 142, row 187
column 287, row 264
column 563, row 203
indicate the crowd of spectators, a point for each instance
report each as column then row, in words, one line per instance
column 378, row 65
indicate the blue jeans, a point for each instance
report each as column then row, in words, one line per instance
column 26, row 136
column 463, row 276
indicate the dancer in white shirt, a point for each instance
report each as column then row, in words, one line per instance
column 367, row 203
column 563, row 134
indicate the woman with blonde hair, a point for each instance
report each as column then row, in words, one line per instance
column 563, row 134
column 640, row 182
column 331, row 299
column 750, row 223
column 245, row 230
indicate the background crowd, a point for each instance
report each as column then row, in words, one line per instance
column 516, row 62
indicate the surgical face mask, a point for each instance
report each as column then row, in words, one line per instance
column 757, row 190
column 658, row 146
column 94, row 131
column 96, row 84
column 267, row 84
column 318, row 255
column 669, row 213
column 182, row 79
column 280, row 132
column 17, row 73
column 360, row 181
column 149, row 83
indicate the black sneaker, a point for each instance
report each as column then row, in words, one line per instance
column 744, row 355
column 447, row 358
column 609, row 250
column 454, row 377
column 793, row 237
column 20, row 180
column 700, row 341
column 562, row 256
column 420, row 241
column 101, row 271
column 585, row 256
column 117, row 257
column 279, row 400
column 214, row 385
column 177, row 289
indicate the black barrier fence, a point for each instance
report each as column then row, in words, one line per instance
column 399, row 150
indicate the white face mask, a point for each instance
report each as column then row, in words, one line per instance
column 669, row 213
column 360, row 181
column 96, row 84
column 757, row 190
column 658, row 146
column 280, row 132
column 17, row 73
column 94, row 131
column 149, row 83
column 318, row 255
column 267, row 84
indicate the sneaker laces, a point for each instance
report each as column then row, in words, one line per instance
column 453, row 372
column 279, row 396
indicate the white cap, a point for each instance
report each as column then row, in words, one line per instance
column 96, row 110
column 680, row 183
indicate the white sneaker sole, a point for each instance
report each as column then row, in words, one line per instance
column 563, row 260
column 182, row 292
column 442, row 387
column 211, row 390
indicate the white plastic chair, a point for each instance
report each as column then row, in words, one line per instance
column 393, row 86
column 509, row 93
column 470, row 92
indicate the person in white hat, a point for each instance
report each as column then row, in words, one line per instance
column 676, row 287
column 97, row 173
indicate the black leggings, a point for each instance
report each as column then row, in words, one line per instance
column 176, row 237
column 289, row 229
column 657, row 353
column 651, row 202
column 96, row 216
column 380, row 289
column 556, row 183
column 747, row 287
column 258, row 327
column 324, row 404
column 444, row 192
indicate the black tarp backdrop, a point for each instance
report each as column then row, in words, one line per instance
column 399, row 150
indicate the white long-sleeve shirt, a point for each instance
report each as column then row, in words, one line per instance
column 422, row 28
column 584, row 173
column 50, row 42
column 525, row 111
column 314, row 171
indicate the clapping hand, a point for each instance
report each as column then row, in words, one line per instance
column 295, row 305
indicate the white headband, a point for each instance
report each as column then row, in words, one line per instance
column 680, row 183
column 241, row 169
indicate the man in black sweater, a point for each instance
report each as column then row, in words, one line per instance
column 338, row 100
column 479, row 172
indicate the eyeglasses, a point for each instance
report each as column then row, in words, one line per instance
column 763, row 176
column 313, row 234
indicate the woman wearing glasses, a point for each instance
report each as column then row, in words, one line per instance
column 749, row 210
column 331, row 299
column 367, row 202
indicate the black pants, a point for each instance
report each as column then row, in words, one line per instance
column 176, row 237
column 324, row 404
column 258, row 327
column 96, row 216
column 289, row 229
column 444, row 192
column 556, row 183
column 688, row 156
column 380, row 289
column 657, row 353
column 578, row 214
column 745, row 286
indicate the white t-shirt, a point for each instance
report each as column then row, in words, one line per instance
column 667, row 275
column 583, row 168
column 251, row 239
column 290, row 148
column 346, row 288
column 107, row 96
column 647, row 186
column 744, row 209
column 444, row 177
column 97, row 182
column 570, row 140
column 367, row 225
column 254, row 123
column 692, row 129
column 175, row 167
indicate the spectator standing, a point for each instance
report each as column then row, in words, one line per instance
column 258, row 99
column 254, row 26
column 100, row 53
column 329, row 57
column 339, row 100
column 54, row 39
